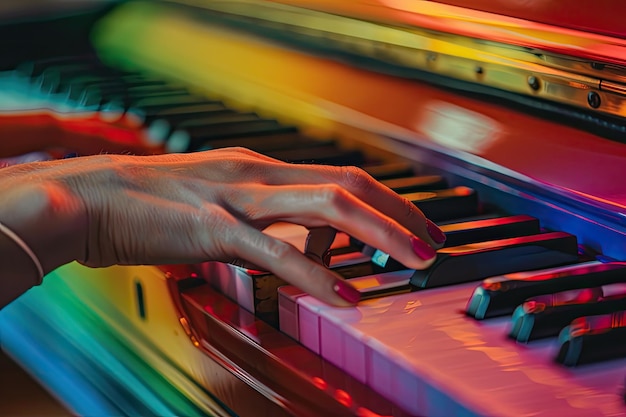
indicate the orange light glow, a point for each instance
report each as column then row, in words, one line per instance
column 364, row 412
column 320, row 383
column 343, row 397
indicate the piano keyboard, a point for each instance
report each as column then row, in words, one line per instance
column 414, row 346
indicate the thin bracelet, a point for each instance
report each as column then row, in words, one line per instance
column 8, row 232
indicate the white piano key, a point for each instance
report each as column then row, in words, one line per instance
column 422, row 343
column 232, row 281
column 309, row 324
column 342, row 348
column 288, row 310
column 305, row 325
column 237, row 283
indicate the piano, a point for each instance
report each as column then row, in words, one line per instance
column 521, row 109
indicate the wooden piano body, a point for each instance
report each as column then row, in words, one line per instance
column 526, row 113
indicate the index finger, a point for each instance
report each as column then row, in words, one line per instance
column 365, row 188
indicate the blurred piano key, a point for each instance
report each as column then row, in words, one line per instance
column 462, row 233
column 325, row 155
column 546, row 315
column 389, row 170
column 499, row 295
column 182, row 140
column 452, row 203
column 414, row 183
column 593, row 339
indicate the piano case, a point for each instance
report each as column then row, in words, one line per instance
column 521, row 101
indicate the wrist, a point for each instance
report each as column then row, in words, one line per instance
column 21, row 268
column 47, row 219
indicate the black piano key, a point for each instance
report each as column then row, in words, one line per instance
column 464, row 233
column 53, row 78
column 160, row 127
column 389, row 170
column 458, row 264
column 376, row 264
column 262, row 143
column 115, row 83
column 85, row 96
column 194, row 137
column 546, row 315
column 186, row 112
column 393, row 175
column 202, row 125
column 115, row 80
column 500, row 295
column 414, row 183
column 48, row 80
column 268, row 144
column 129, row 93
column 357, row 244
column 147, row 104
column 148, row 107
column 355, row 270
column 33, row 69
column 128, row 97
column 452, row 203
column 437, row 205
column 150, row 111
column 593, row 339
column 326, row 155
column 172, row 120
column 492, row 228
column 193, row 127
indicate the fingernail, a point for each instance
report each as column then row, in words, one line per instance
column 422, row 249
column 347, row 292
column 435, row 232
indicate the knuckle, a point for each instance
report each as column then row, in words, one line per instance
column 410, row 209
column 388, row 229
column 241, row 167
column 334, row 196
column 244, row 151
column 356, row 178
column 279, row 250
column 212, row 222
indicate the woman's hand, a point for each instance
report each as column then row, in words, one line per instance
column 190, row 208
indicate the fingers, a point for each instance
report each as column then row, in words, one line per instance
column 332, row 205
column 385, row 200
column 357, row 183
column 288, row 263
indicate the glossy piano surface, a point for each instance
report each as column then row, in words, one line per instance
column 169, row 344
column 422, row 350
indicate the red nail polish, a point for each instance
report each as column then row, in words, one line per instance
column 422, row 249
column 347, row 292
column 435, row 232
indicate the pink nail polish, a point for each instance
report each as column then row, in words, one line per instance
column 422, row 249
column 347, row 292
column 435, row 232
